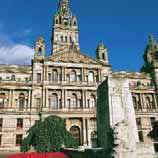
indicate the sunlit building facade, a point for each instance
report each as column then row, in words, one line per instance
column 65, row 84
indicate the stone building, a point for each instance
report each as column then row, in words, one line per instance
column 65, row 84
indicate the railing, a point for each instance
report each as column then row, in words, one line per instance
column 141, row 87
column 146, row 110
column 73, row 83
column 10, row 82
column 66, row 110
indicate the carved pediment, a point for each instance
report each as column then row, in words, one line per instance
column 73, row 57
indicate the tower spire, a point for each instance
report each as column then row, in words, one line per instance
column 151, row 38
column 65, row 29
column 64, row 8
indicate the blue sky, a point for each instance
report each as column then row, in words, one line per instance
column 123, row 25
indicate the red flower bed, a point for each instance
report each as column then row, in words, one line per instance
column 39, row 155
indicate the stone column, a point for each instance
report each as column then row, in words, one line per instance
column 46, row 73
column 46, row 98
column 10, row 98
column 62, row 98
column 142, row 101
column 29, row 99
column 84, row 131
column 65, row 98
column 82, row 73
column 88, row 132
column 62, row 74
column 155, row 102
column 83, row 99
column 43, row 97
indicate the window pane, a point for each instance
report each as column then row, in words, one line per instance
column 91, row 77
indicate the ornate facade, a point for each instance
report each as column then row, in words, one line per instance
column 65, row 84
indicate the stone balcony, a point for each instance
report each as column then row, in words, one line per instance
column 67, row 83
column 49, row 110
column 13, row 83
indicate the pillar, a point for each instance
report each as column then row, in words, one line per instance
column 84, row 132
column 29, row 100
column 62, row 98
column 10, row 98
column 46, row 98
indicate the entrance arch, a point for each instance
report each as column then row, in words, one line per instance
column 75, row 131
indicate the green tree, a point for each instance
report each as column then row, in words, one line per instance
column 48, row 136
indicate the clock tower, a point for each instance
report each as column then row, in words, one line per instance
column 65, row 29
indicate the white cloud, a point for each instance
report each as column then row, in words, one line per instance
column 14, row 53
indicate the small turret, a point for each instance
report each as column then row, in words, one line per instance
column 40, row 47
column 150, row 54
column 101, row 53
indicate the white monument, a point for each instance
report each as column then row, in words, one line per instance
column 115, row 109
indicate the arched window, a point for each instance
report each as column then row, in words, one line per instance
column 74, row 101
column 57, row 21
column 62, row 39
column 39, row 51
column 54, row 101
column 21, row 101
column 55, row 75
column 68, row 77
column 75, row 131
column 103, row 56
column 92, row 101
column 60, row 21
column 91, row 76
column 75, row 23
column 2, row 100
column 65, row 38
column 13, row 77
column 73, row 76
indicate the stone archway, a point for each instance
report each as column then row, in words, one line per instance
column 75, row 131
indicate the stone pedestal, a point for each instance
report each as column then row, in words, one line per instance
column 115, row 109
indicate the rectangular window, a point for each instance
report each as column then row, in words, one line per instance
column 49, row 77
column 60, row 104
column 38, row 77
column 78, row 77
column 18, row 139
column 88, row 102
column 38, row 103
column 1, row 123
column 19, row 123
column 60, row 77
column 69, row 103
column 138, row 122
column 152, row 120
column 79, row 103
column 140, row 135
